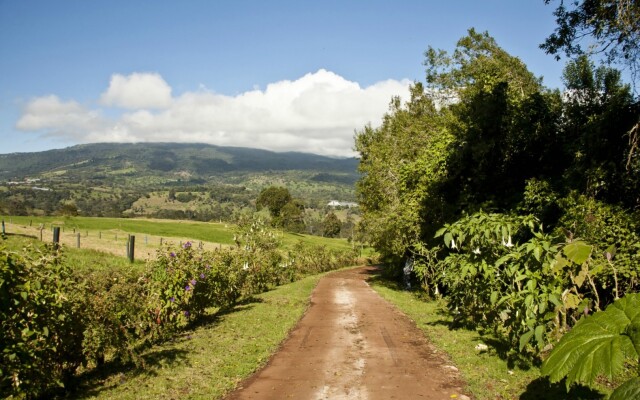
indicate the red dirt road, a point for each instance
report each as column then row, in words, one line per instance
column 352, row 344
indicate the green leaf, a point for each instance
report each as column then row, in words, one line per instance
column 447, row 239
column 579, row 280
column 494, row 297
column 571, row 301
column 554, row 299
column 537, row 252
column 440, row 232
column 628, row 390
column 597, row 345
column 539, row 335
column 578, row 252
column 524, row 339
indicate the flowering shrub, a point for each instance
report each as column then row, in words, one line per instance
column 115, row 317
column 178, row 284
column 41, row 324
column 52, row 320
column 502, row 272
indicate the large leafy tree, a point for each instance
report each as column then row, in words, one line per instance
column 599, row 113
column 503, row 122
column 401, row 163
column 331, row 225
column 274, row 199
column 607, row 27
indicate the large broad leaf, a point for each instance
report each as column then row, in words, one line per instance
column 578, row 251
column 598, row 344
column 628, row 390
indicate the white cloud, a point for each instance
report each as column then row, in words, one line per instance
column 317, row 113
column 59, row 118
column 138, row 90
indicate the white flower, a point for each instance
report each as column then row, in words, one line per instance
column 476, row 251
column 453, row 244
column 245, row 266
column 509, row 244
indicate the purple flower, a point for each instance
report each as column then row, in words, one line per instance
column 186, row 245
column 186, row 313
column 187, row 287
column 193, row 282
column 172, row 299
column 172, row 254
column 201, row 276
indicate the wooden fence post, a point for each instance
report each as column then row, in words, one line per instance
column 3, row 232
column 56, row 237
column 78, row 240
column 131, row 247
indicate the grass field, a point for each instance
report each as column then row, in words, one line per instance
column 110, row 234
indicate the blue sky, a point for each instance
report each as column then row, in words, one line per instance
column 281, row 75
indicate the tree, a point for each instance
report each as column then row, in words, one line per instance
column 292, row 216
column 331, row 225
column 274, row 199
column 599, row 113
column 401, row 163
column 614, row 26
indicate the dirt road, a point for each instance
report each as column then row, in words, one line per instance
column 352, row 344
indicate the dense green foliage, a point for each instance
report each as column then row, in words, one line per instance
column 55, row 319
column 600, row 345
column 517, row 203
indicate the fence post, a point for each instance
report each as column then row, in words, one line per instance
column 56, row 237
column 131, row 247
column 160, row 241
column 78, row 240
column 3, row 232
column 99, row 235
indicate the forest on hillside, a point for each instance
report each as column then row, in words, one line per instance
column 518, row 203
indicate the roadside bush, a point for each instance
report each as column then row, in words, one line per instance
column 53, row 320
column 504, row 273
column 41, row 322
column 115, row 321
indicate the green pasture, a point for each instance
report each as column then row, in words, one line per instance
column 206, row 231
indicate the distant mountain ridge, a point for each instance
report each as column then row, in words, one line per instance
column 192, row 159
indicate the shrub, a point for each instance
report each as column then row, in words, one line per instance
column 41, row 322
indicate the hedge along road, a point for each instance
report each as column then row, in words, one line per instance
column 352, row 344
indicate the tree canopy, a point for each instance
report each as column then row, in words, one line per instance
column 607, row 27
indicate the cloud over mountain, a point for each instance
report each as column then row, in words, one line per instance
column 316, row 113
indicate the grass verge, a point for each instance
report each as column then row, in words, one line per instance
column 209, row 360
column 489, row 374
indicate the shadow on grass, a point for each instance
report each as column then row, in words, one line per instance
column 162, row 355
column 113, row 374
column 542, row 389
column 214, row 318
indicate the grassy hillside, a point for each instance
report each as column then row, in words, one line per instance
column 165, row 180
